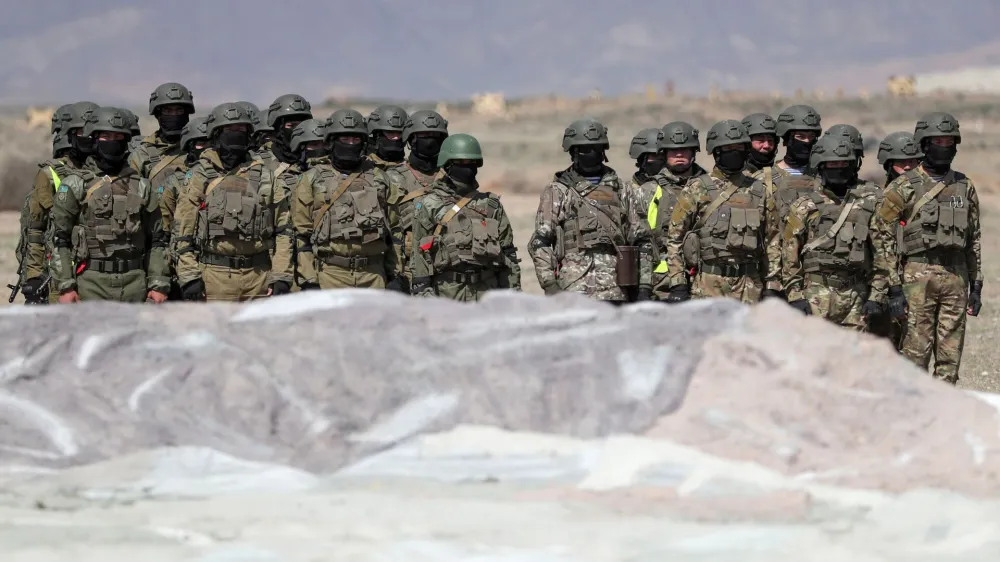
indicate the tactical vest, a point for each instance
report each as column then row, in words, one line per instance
column 353, row 216
column 735, row 229
column 594, row 219
column 161, row 167
column 848, row 248
column 406, row 206
column 661, row 207
column 788, row 189
column 942, row 223
column 112, row 219
column 470, row 237
column 234, row 209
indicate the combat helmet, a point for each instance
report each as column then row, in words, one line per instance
column 133, row 121
column 76, row 116
column 226, row 114
column 727, row 131
column 171, row 93
column 61, row 142
column 387, row 118
column 310, row 130
column 937, row 124
column 646, row 141
column 832, row 148
column 346, row 122
column 898, row 146
column 425, row 121
column 250, row 108
column 57, row 117
column 681, row 134
column 849, row 132
column 798, row 118
column 288, row 105
column 107, row 120
column 585, row 132
column 260, row 124
column 760, row 124
column 195, row 129
column 460, row 147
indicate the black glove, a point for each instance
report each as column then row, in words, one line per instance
column 680, row 293
column 771, row 293
column 872, row 308
column 280, row 288
column 644, row 294
column 975, row 298
column 309, row 286
column 802, row 305
column 35, row 290
column 193, row 290
column 897, row 302
column 396, row 285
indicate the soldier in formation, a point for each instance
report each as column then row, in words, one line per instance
column 157, row 156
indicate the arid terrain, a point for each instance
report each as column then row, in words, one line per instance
column 523, row 150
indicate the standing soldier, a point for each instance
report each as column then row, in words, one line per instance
column 156, row 156
column 937, row 210
column 109, row 239
column 424, row 132
column 826, row 244
column 588, row 235
column 309, row 144
column 260, row 140
column 194, row 140
column 763, row 131
column 898, row 153
column 340, row 214
column 463, row 241
column 133, row 121
column 718, row 229
column 853, row 136
column 232, row 230
column 385, row 140
column 647, row 150
column 283, row 115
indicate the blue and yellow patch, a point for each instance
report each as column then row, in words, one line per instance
column 159, row 189
column 63, row 188
column 417, row 206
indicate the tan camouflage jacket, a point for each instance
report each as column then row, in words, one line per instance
column 39, row 228
column 406, row 186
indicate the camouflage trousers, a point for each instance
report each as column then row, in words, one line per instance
column 938, row 297
column 744, row 288
column 836, row 299
column 234, row 284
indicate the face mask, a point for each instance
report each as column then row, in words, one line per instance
column 589, row 160
column 171, row 125
column 83, row 146
column 798, row 151
column 427, row 148
column 232, row 147
column 652, row 166
column 730, row 161
column 347, row 153
column 111, row 150
column 837, row 178
column 463, row 174
column 313, row 154
column 940, row 157
column 389, row 149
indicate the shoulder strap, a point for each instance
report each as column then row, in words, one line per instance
column 768, row 181
column 930, row 196
column 281, row 168
column 454, row 210
column 830, row 234
column 722, row 198
column 413, row 195
column 162, row 164
column 95, row 186
column 341, row 189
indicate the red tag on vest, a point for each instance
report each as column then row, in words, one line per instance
column 902, row 223
column 426, row 247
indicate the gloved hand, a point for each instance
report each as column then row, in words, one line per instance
column 551, row 289
column 35, row 290
column 771, row 293
column 280, row 288
column 680, row 293
column 802, row 305
column 306, row 286
column 644, row 294
column 975, row 298
column 872, row 308
column 396, row 285
column 898, row 307
column 194, row 290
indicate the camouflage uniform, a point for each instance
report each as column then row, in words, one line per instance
column 584, row 220
column 385, row 154
column 340, row 216
column 463, row 244
column 826, row 247
column 108, row 236
column 719, row 229
column 227, row 255
column 194, row 131
column 157, row 156
column 939, row 247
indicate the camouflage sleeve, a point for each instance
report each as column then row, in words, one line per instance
column 882, row 231
column 640, row 235
column 168, row 200
column 189, row 202
column 282, row 268
column 543, row 247
column 974, row 247
column 801, row 215
column 137, row 160
column 773, row 252
column 422, row 257
column 302, row 223
column 682, row 220
column 157, row 265
column 39, row 208
column 65, row 213
column 510, row 277
column 391, row 260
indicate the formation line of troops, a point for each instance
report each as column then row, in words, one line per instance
column 248, row 203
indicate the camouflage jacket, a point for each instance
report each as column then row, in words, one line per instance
column 37, row 244
column 406, row 186
column 579, row 226
column 149, row 153
column 807, row 247
column 947, row 225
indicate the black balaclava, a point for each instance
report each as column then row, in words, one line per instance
column 651, row 164
column 937, row 158
column 797, row 152
column 890, row 172
column 346, row 156
column 762, row 159
column 193, row 154
column 588, row 160
column 172, row 125
column 838, row 180
column 424, row 152
column 390, row 150
column 462, row 176
column 233, row 146
column 110, row 155
column 82, row 147
column 281, row 145
column 311, row 154
column 261, row 138
column 731, row 160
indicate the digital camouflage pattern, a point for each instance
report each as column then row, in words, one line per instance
column 406, row 186
column 462, row 255
column 578, row 227
column 236, row 254
column 733, row 260
column 939, row 252
column 341, row 225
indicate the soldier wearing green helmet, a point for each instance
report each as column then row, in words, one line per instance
column 309, row 142
column 717, row 234
column 340, row 214
column 463, row 244
column 898, row 153
column 852, row 135
column 928, row 227
column 156, row 156
column 763, row 131
column 262, row 133
column 826, row 243
column 108, row 235
column 232, row 230
column 589, row 237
